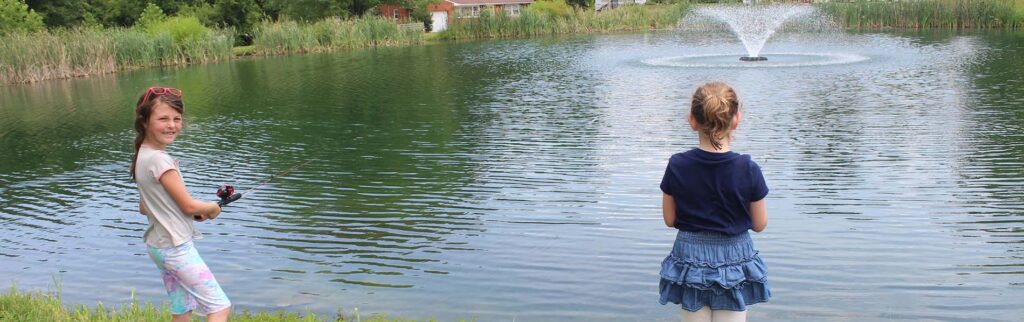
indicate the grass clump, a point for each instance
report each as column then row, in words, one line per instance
column 552, row 19
column 27, row 57
column 37, row 306
column 331, row 34
column 939, row 14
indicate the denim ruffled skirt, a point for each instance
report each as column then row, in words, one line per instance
column 711, row 269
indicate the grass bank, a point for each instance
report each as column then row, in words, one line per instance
column 66, row 53
column 275, row 38
column 570, row 21
column 933, row 14
column 36, row 306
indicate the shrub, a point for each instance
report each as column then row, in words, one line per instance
column 556, row 8
column 16, row 16
column 151, row 16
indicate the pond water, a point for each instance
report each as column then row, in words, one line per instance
column 518, row 180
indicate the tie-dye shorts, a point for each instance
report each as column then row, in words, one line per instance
column 189, row 282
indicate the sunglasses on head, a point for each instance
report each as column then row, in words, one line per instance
column 158, row 91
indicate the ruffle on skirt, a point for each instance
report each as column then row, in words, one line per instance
column 710, row 269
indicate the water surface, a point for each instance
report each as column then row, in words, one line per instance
column 517, row 180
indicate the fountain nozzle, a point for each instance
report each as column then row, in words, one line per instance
column 753, row 58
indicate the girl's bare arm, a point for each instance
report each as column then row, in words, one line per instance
column 759, row 215
column 668, row 209
column 176, row 188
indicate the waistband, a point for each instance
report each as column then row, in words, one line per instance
column 712, row 237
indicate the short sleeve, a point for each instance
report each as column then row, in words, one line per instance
column 759, row 189
column 160, row 163
column 666, row 180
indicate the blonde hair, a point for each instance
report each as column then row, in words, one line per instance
column 714, row 106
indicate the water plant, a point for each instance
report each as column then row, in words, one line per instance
column 944, row 14
column 552, row 20
column 331, row 34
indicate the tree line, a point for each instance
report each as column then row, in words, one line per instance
column 241, row 15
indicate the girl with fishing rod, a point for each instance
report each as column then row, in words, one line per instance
column 170, row 209
column 713, row 196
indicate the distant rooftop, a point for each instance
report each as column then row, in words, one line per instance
column 482, row 2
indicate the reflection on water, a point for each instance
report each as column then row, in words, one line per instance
column 517, row 180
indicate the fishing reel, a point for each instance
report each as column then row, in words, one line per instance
column 227, row 195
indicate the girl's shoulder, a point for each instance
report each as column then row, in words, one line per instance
column 154, row 156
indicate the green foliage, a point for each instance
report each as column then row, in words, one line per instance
column 203, row 11
column 310, row 10
column 181, row 29
column 36, row 306
column 583, row 4
column 419, row 8
column 533, row 22
column 242, row 15
column 151, row 16
column 331, row 34
column 65, row 53
column 16, row 16
column 122, row 13
column 557, row 8
column 951, row 14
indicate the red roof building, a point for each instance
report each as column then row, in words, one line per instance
column 440, row 13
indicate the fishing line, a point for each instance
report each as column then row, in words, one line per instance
column 228, row 195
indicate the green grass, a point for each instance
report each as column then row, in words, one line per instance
column 27, row 57
column 931, row 14
column 37, row 306
column 272, row 38
column 243, row 51
column 545, row 22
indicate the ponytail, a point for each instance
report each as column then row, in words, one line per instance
column 714, row 106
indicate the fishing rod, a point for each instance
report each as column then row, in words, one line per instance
column 227, row 193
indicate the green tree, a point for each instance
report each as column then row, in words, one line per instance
column 243, row 15
column 359, row 7
column 309, row 10
column 118, row 12
column 151, row 16
column 203, row 11
column 16, row 15
column 59, row 13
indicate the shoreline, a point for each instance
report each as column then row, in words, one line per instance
column 76, row 55
column 35, row 305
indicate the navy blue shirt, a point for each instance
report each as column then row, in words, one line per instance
column 713, row 191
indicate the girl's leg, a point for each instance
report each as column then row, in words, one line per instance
column 702, row 315
column 182, row 317
column 219, row 316
column 197, row 280
column 728, row 316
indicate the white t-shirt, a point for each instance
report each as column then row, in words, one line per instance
column 168, row 225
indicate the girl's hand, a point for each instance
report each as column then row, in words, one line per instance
column 215, row 210
column 175, row 187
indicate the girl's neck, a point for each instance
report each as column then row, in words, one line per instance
column 153, row 145
column 705, row 144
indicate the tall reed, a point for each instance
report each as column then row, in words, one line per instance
column 943, row 14
column 66, row 53
column 533, row 23
column 331, row 34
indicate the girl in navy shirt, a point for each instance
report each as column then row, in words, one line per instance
column 713, row 196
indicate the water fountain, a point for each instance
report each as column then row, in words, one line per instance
column 753, row 24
